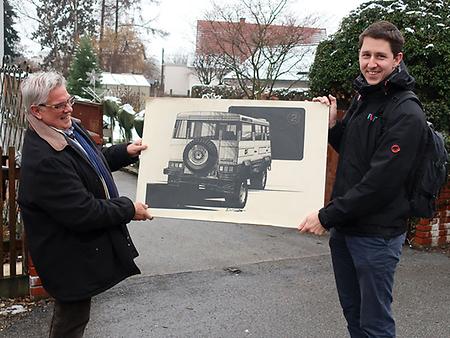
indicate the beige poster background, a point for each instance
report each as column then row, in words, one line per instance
column 295, row 187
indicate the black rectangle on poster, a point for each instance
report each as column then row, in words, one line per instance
column 287, row 129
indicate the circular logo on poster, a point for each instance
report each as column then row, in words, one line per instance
column 293, row 118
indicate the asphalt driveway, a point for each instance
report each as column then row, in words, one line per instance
column 207, row 279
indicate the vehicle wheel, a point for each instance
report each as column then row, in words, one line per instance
column 258, row 181
column 238, row 198
column 200, row 155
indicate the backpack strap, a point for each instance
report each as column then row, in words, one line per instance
column 386, row 115
column 396, row 100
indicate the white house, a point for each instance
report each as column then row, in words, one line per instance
column 121, row 84
column 293, row 73
column 179, row 79
column 135, row 82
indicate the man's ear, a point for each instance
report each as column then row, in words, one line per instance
column 35, row 111
column 398, row 58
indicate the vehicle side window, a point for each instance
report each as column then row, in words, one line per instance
column 229, row 132
column 203, row 129
column 180, row 129
column 266, row 133
column 246, row 132
column 258, row 133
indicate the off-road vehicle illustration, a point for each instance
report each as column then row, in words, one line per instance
column 219, row 152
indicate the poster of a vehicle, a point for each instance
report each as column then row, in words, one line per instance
column 240, row 161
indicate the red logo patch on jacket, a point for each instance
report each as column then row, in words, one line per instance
column 395, row 148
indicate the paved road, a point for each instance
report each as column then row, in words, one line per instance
column 203, row 279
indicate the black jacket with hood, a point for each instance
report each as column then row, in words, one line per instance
column 376, row 158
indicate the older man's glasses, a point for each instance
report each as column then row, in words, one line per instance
column 60, row 106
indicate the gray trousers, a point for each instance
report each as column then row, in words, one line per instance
column 70, row 319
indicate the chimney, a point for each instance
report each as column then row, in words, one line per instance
column 242, row 20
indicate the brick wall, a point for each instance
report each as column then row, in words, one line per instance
column 332, row 161
column 435, row 231
column 37, row 291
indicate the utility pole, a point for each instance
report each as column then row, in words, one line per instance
column 76, row 33
column 116, row 28
column 161, row 87
column 2, row 33
column 113, row 65
column 102, row 30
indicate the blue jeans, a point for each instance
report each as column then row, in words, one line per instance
column 364, row 270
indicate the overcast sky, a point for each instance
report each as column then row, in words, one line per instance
column 179, row 17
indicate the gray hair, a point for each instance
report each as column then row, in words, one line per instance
column 37, row 87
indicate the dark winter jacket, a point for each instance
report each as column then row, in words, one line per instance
column 77, row 238
column 376, row 158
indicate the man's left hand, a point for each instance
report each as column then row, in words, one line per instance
column 312, row 224
column 135, row 148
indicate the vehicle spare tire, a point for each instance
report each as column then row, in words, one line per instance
column 200, row 155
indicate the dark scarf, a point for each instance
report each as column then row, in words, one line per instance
column 96, row 162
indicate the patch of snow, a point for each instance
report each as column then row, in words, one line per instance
column 128, row 108
column 140, row 115
column 13, row 310
column 113, row 99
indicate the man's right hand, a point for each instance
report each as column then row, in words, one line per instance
column 331, row 102
column 141, row 212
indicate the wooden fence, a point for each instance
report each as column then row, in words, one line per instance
column 14, row 270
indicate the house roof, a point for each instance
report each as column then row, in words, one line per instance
column 216, row 36
column 136, row 80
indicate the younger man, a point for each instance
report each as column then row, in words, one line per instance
column 367, row 214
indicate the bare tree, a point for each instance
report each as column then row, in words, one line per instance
column 123, row 52
column 62, row 22
column 210, row 66
column 257, row 52
column 125, row 14
column 204, row 65
column 178, row 58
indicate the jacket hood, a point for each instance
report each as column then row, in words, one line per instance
column 399, row 79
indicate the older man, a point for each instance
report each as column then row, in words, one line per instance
column 74, row 218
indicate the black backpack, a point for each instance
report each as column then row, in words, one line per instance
column 431, row 171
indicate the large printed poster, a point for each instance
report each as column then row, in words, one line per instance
column 240, row 161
